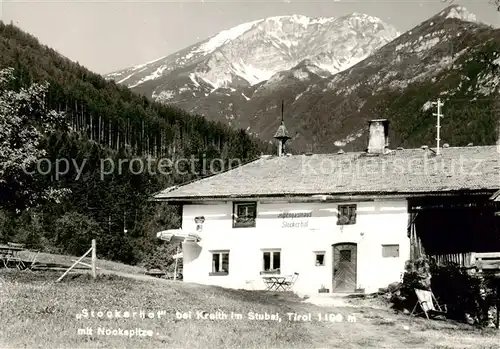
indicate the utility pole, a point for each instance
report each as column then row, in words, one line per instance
column 124, row 223
column 438, row 115
column 176, row 258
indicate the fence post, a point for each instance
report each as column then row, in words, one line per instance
column 175, row 269
column 94, row 258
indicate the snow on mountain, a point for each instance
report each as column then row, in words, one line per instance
column 253, row 52
column 459, row 12
column 131, row 71
column 223, row 37
column 332, row 73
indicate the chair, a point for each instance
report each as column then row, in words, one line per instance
column 289, row 282
column 429, row 305
column 270, row 283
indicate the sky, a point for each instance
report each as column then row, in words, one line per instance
column 106, row 36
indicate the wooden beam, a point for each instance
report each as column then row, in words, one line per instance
column 488, row 255
column 322, row 197
column 78, row 261
column 85, row 264
column 488, row 264
column 94, row 259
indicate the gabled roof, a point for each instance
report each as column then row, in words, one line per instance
column 400, row 171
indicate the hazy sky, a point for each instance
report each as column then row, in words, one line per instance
column 109, row 35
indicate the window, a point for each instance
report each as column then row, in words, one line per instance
column 220, row 263
column 346, row 215
column 345, row 256
column 244, row 214
column 390, row 251
column 271, row 261
column 320, row 258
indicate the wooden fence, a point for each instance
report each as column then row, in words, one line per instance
column 462, row 259
column 92, row 266
column 482, row 262
column 487, row 262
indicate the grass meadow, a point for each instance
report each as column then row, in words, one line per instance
column 36, row 312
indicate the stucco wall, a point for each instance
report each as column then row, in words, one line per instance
column 377, row 223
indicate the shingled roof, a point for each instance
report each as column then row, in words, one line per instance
column 400, row 171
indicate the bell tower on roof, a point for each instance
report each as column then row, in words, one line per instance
column 282, row 134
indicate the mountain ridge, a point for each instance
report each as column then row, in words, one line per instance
column 326, row 110
column 232, row 47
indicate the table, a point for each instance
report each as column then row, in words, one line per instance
column 10, row 254
column 275, row 283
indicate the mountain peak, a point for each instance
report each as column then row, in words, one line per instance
column 253, row 52
column 232, row 33
column 214, row 42
column 459, row 12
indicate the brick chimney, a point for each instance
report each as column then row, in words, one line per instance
column 378, row 139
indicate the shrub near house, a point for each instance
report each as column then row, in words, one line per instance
column 468, row 297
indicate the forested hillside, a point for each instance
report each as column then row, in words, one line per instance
column 109, row 122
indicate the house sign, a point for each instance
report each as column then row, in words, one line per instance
column 295, row 220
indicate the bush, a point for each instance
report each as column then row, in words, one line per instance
column 5, row 227
column 25, row 228
column 459, row 290
column 162, row 258
column 470, row 297
column 417, row 275
column 74, row 233
column 467, row 297
column 117, row 246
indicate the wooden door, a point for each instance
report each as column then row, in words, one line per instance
column 344, row 267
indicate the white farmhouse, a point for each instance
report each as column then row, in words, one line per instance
column 341, row 221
